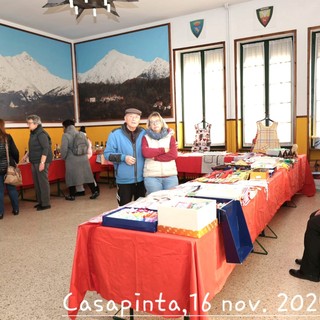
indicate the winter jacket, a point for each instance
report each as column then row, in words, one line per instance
column 120, row 145
column 159, row 163
column 39, row 144
column 13, row 154
column 78, row 169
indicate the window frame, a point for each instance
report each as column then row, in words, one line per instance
column 312, row 33
column 179, row 82
column 238, row 44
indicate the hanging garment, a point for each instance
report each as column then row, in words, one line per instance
column 266, row 137
column 202, row 140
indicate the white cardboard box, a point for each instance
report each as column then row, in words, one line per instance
column 177, row 214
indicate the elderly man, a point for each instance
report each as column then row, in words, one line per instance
column 124, row 150
column 40, row 157
column 310, row 262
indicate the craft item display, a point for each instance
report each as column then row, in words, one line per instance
column 202, row 139
column 212, row 159
column 224, row 176
column 266, row 137
column 234, row 157
column 276, row 152
column 258, row 174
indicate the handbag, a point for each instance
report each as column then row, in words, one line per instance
column 13, row 175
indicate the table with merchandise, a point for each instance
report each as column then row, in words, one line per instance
column 171, row 274
column 56, row 174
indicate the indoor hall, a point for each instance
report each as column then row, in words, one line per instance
column 217, row 71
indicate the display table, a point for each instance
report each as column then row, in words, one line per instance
column 281, row 188
column 56, row 174
column 189, row 163
column 129, row 265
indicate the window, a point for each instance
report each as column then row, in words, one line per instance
column 266, row 87
column 315, row 85
column 203, row 93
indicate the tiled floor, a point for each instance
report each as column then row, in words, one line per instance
column 36, row 250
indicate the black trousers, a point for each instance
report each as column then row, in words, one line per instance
column 126, row 192
column 311, row 255
column 72, row 189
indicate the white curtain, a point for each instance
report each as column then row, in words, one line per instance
column 280, row 66
column 253, row 93
column 192, row 94
column 280, row 87
column 214, row 95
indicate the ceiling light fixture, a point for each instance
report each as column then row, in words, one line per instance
column 80, row 5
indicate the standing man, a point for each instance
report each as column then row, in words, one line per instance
column 124, row 150
column 40, row 157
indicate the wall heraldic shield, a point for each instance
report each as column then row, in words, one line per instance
column 264, row 15
column 196, row 27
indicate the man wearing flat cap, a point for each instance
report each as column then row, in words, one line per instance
column 124, row 150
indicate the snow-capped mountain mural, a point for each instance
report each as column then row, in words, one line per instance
column 23, row 75
column 120, row 80
column 116, row 68
column 27, row 87
column 157, row 69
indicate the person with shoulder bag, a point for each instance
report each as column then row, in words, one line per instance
column 40, row 157
column 80, row 191
column 75, row 154
column 6, row 139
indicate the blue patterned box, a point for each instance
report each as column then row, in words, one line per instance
column 132, row 218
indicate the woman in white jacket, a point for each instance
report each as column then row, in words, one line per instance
column 159, row 148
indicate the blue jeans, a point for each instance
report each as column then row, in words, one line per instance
column 153, row 184
column 13, row 195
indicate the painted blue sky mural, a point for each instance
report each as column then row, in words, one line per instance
column 145, row 44
column 53, row 54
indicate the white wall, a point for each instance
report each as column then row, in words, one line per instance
column 287, row 15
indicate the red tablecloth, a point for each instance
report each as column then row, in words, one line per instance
column 281, row 187
column 187, row 163
column 56, row 171
column 129, row 265
column 120, row 264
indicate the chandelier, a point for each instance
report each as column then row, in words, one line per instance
column 80, row 5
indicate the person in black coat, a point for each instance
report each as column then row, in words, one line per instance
column 40, row 157
column 13, row 159
column 310, row 262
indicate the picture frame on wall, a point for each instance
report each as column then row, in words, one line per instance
column 121, row 71
column 35, row 78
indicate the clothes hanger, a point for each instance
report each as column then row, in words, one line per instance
column 204, row 123
column 266, row 119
